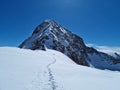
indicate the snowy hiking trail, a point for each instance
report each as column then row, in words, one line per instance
column 50, row 83
column 51, row 77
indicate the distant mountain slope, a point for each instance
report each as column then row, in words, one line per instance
column 22, row 69
column 53, row 36
column 102, row 60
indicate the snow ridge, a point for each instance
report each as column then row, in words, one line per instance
column 54, row 36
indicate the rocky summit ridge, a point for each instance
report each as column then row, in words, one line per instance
column 49, row 34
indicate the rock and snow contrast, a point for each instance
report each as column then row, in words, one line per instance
column 52, row 35
column 23, row 69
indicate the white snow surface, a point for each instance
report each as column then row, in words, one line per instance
column 50, row 70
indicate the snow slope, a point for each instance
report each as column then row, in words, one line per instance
column 52, row 35
column 50, row 70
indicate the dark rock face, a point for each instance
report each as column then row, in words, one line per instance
column 53, row 36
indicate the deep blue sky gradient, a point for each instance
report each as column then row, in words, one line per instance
column 96, row 21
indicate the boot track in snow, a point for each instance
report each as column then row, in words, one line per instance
column 51, row 77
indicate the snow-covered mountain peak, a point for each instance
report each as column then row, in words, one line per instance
column 49, row 26
column 52, row 35
column 50, row 21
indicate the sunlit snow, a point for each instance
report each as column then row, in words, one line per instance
column 50, row 70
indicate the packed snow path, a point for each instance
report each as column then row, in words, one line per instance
column 51, row 77
column 45, row 79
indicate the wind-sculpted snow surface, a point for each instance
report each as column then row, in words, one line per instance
column 50, row 70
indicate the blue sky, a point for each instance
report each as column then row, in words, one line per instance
column 96, row 21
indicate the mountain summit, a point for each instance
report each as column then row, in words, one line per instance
column 52, row 35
